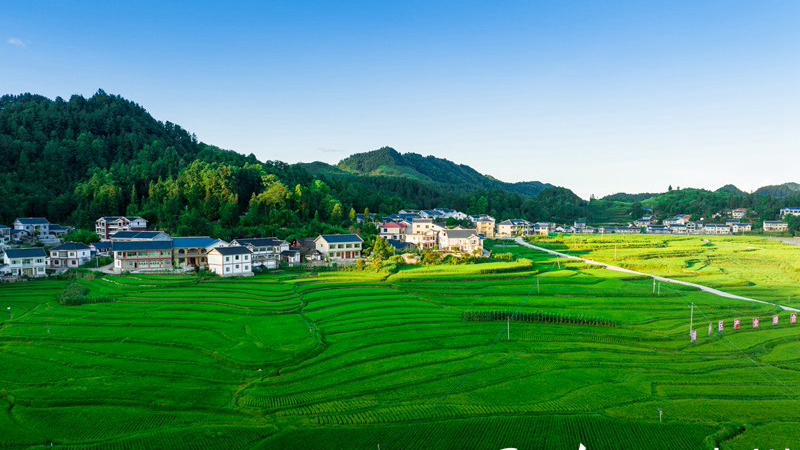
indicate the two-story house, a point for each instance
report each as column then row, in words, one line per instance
column 107, row 226
column 142, row 255
column 26, row 262
column 716, row 228
column 35, row 227
column 192, row 252
column 514, row 227
column 342, row 247
column 266, row 251
column 69, row 255
column 775, row 226
column 484, row 224
column 393, row 230
column 739, row 213
column 461, row 240
column 233, row 261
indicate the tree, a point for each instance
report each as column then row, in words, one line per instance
column 381, row 249
column 80, row 235
column 352, row 216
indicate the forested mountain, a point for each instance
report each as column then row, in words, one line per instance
column 731, row 189
column 625, row 197
column 387, row 161
column 75, row 160
column 779, row 190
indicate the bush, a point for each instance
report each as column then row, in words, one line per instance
column 76, row 294
column 503, row 256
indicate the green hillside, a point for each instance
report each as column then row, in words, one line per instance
column 389, row 162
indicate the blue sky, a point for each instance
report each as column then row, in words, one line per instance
column 598, row 96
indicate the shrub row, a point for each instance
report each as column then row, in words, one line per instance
column 531, row 316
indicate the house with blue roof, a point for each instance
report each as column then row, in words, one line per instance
column 339, row 247
column 26, row 262
column 790, row 211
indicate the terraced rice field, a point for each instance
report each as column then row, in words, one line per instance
column 347, row 360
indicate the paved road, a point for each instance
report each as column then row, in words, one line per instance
column 521, row 241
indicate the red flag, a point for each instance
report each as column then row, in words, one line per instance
column 721, row 325
column 793, row 318
column 694, row 335
column 756, row 321
column 737, row 323
column 775, row 319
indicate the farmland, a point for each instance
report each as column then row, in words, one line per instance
column 539, row 355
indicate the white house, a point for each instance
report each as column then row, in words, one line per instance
column 448, row 213
column 30, row 262
column 775, row 226
column 69, row 255
column 266, row 251
column 790, row 211
column 461, row 240
column 739, row 213
column 393, row 230
column 740, row 227
column 231, row 261
column 339, row 246
column 717, row 228
column 37, row 227
column 514, row 227
column 106, row 226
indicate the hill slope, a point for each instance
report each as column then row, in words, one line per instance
column 779, row 190
column 389, row 162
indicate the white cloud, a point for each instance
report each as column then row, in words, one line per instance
column 17, row 42
column 329, row 150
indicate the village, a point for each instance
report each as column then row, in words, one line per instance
column 134, row 248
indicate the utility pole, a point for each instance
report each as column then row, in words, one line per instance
column 615, row 251
column 654, row 285
column 659, row 288
column 691, row 319
column 538, row 291
column 508, row 328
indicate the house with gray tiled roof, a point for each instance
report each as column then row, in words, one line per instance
column 339, row 247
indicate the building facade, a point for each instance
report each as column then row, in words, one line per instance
column 345, row 247
column 233, row 261
column 69, row 255
column 192, row 252
column 107, row 226
column 775, row 226
column 26, row 262
column 36, row 227
column 142, row 256
column 266, row 252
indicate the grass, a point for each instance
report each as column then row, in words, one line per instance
column 346, row 360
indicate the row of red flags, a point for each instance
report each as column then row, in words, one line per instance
column 737, row 323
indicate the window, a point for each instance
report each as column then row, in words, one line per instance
column 227, row 269
column 227, row 259
column 247, row 267
column 236, row 258
column 237, row 266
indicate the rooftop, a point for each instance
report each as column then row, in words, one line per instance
column 32, row 252
column 259, row 242
column 33, row 220
column 71, row 246
column 193, row 242
column 338, row 238
column 233, row 250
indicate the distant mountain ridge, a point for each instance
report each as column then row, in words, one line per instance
column 389, row 162
column 779, row 190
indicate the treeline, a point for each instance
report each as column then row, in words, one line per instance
column 75, row 160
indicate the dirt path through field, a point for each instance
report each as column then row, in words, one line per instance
column 521, row 241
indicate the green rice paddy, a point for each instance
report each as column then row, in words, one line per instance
column 349, row 360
